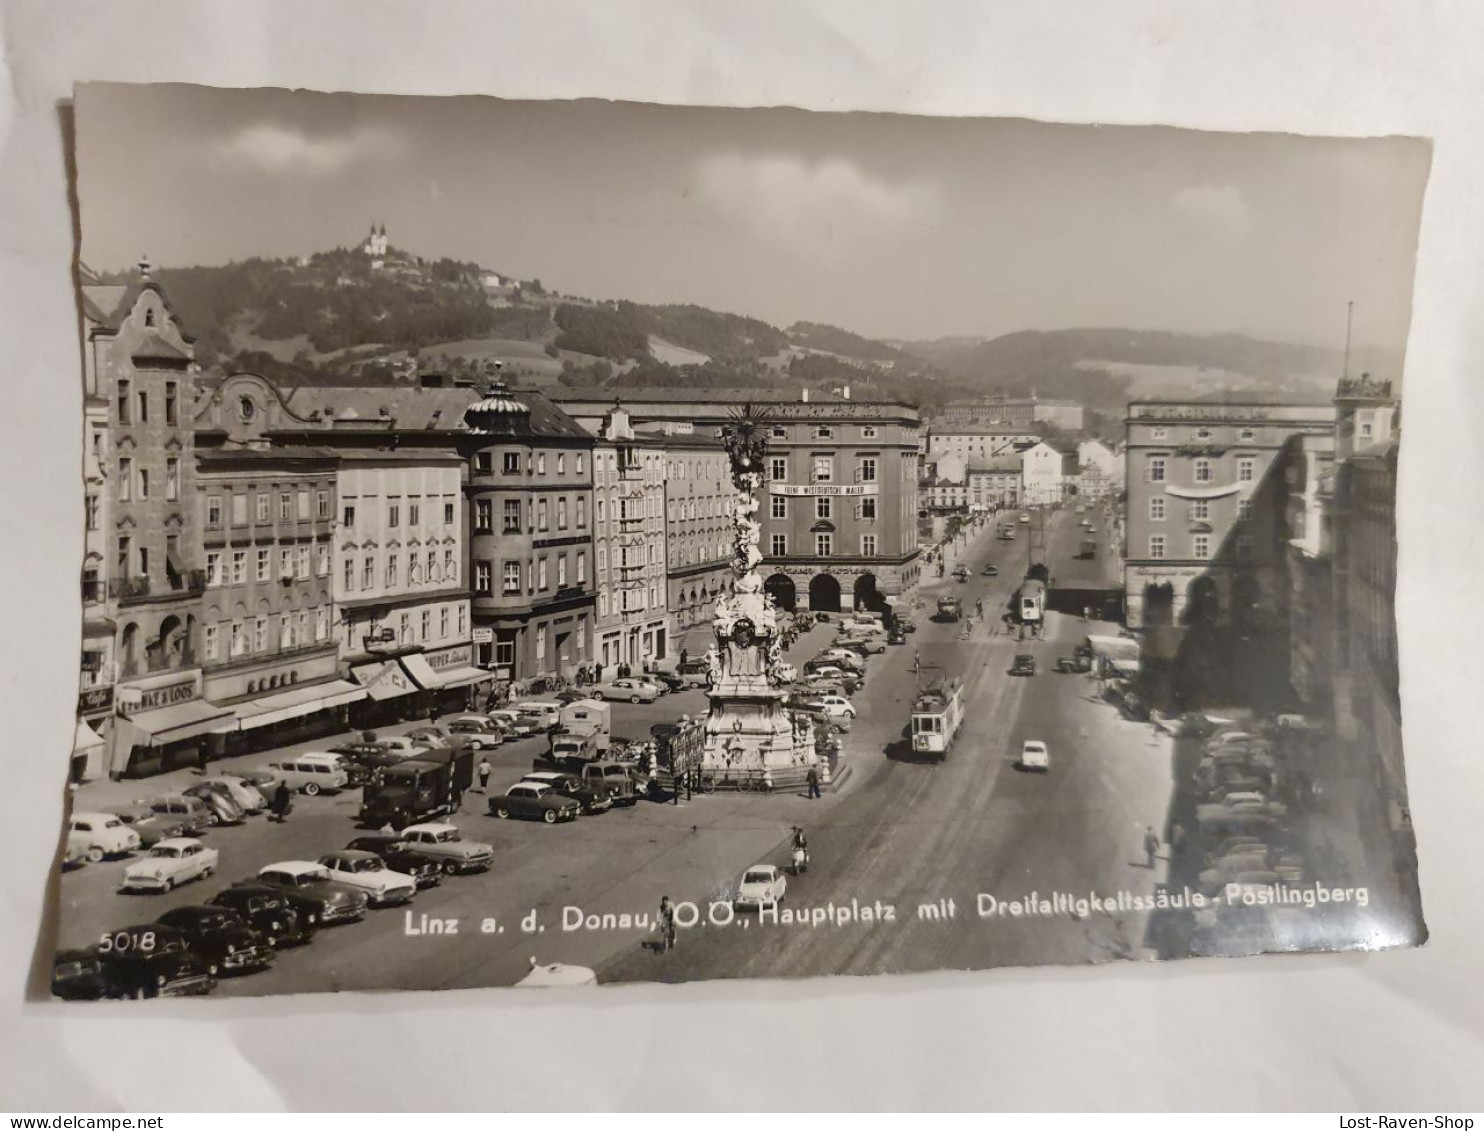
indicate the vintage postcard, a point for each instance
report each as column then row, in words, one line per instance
column 572, row 543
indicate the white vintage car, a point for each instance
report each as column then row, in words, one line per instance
column 368, row 871
column 172, row 861
column 104, row 834
column 763, row 885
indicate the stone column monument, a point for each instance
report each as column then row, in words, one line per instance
column 751, row 739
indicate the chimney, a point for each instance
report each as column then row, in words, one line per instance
column 804, row 393
column 845, row 392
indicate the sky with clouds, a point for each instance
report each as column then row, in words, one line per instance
column 891, row 226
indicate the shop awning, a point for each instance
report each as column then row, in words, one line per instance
column 86, row 739
column 383, row 680
column 181, row 720
column 433, row 679
column 422, row 671
column 296, row 702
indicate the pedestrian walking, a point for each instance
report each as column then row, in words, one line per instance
column 813, row 780
column 283, row 801
column 433, row 714
column 684, row 656
column 484, row 775
column 916, row 662
column 1151, row 846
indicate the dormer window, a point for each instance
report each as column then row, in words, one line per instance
column 149, row 316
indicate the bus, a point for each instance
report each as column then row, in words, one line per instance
column 937, row 714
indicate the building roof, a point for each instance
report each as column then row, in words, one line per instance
column 995, row 464
column 153, row 347
column 707, row 394
column 408, row 407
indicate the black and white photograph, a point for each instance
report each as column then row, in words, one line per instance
column 562, row 543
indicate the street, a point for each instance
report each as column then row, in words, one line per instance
column 898, row 832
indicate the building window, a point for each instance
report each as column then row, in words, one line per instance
column 1156, row 470
column 404, row 628
column 1244, row 508
column 824, row 469
column 823, row 507
column 541, row 574
column 1203, row 433
column 213, row 567
column 213, row 641
column 239, row 510
column 779, row 506
column 778, row 469
column 510, row 522
column 541, row 517
column 213, row 512
column 322, row 504
column 510, row 578
column 350, row 575
column 265, row 565
column 394, row 513
column 1246, row 469
column 581, row 463
column 1156, row 508
column 780, row 545
column 302, row 509
column 414, row 514
column 868, row 545
column 427, row 623
column 391, row 570
column 484, row 516
column 510, row 463
column 260, row 633
column 447, row 514
column 1244, row 545
column 450, row 569
column 261, row 507
column 443, row 622
column 285, row 506
column 125, row 409
column 1200, row 546
column 1365, row 430
column 368, row 573
column 1203, row 471
column 347, row 516
column 414, row 569
column 143, row 483
column 321, row 624
column 1159, row 433
column 483, row 463
column 239, row 638
column 581, row 512
column 505, row 653
column 603, row 604
column 824, row 545
column 1246, row 434
column 561, row 463
column 286, row 562
column 172, row 479
column 432, row 574
column 868, row 432
column 302, row 570
column 562, row 513
column 780, row 432
column 239, row 567
column 868, row 508
column 868, row 470
column 1200, row 510
column 482, row 577
column 143, row 406
column 1156, row 545
column 126, row 479
column 322, row 560
column 540, row 463
column 562, row 571
column 823, row 432
column 581, row 567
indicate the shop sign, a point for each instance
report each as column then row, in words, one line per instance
column 95, row 699
column 484, row 636
column 447, row 658
column 830, row 489
column 132, row 699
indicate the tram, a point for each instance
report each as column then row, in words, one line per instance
column 937, row 713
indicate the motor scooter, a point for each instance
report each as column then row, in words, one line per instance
column 801, row 859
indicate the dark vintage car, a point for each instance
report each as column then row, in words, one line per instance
column 152, row 960
column 77, row 975
column 400, row 856
column 1024, row 664
column 268, row 911
column 152, row 827
column 534, row 802
column 310, row 889
column 220, row 801
column 593, row 797
column 362, row 759
column 1072, row 664
column 570, row 695
column 220, row 936
column 896, row 636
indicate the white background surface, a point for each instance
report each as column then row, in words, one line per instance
column 1391, row 1031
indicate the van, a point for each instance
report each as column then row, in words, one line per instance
column 313, row 773
column 193, row 814
column 544, row 712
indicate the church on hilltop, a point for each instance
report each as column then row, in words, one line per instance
column 375, row 244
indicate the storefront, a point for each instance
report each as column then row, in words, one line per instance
column 90, row 743
column 291, row 716
column 449, row 680
column 391, row 694
column 162, row 723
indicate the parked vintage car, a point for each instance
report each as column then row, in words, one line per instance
column 1025, row 664
column 633, row 690
column 171, row 863
column 221, row 937
column 191, row 813
column 593, row 797
column 433, row 736
column 424, row 868
column 311, row 886
column 454, row 853
column 152, row 827
column 314, row 773
column 762, row 885
column 268, row 911
column 106, row 836
column 264, row 781
column 152, row 960
column 77, row 975
column 248, row 797
column 517, row 725
column 368, row 871
column 535, row 802
column 478, row 731
column 220, row 801
column 865, row 644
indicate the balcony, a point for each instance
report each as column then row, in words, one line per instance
column 126, row 589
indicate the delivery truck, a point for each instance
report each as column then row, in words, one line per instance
column 430, row 785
